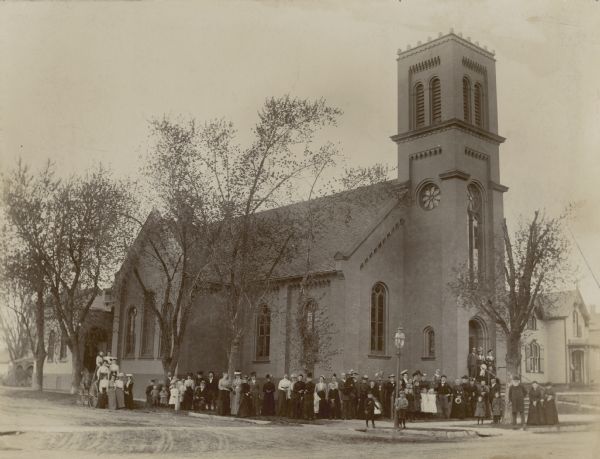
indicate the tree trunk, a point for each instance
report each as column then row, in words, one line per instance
column 77, row 364
column 513, row 363
column 40, row 350
column 234, row 356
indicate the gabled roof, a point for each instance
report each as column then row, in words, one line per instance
column 558, row 305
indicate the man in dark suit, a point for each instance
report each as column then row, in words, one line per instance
column 390, row 392
column 308, row 398
column 472, row 363
column 444, row 394
column 516, row 396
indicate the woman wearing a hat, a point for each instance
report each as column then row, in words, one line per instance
column 128, row 391
column 112, row 395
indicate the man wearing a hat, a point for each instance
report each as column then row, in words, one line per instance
column 388, row 399
column 349, row 396
column 308, row 398
column 516, row 396
column 444, row 396
column 403, row 379
column 128, row 389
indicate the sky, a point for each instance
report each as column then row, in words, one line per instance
column 79, row 82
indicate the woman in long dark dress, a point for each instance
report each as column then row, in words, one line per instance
column 129, row 392
column 245, row 408
column 550, row 411
column 268, row 405
column 536, row 411
column 458, row 402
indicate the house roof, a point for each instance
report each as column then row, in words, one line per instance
column 558, row 305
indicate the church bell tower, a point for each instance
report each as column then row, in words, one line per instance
column 448, row 154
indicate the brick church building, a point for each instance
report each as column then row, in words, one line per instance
column 389, row 266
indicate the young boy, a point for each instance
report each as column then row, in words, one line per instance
column 155, row 395
column 480, row 410
column 370, row 410
column 401, row 406
column 164, row 397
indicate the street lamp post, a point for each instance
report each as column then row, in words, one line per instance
column 399, row 338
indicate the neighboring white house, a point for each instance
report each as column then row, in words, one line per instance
column 557, row 345
column 98, row 336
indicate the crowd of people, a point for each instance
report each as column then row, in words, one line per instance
column 108, row 385
column 349, row 396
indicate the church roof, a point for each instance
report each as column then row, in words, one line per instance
column 343, row 221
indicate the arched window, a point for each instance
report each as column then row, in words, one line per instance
column 428, row 343
column 263, row 333
column 165, row 335
column 51, row 345
column 130, row 332
column 148, row 331
column 378, row 316
column 534, row 358
column 419, row 106
column 436, row 100
column 576, row 327
column 478, row 96
column 475, row 230
column 62, row 354
column 466, row 99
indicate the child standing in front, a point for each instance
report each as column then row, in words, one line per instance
column 480, row 410
column 497, row 407
column 401, row 406
column 370, row 410
column 164, row 396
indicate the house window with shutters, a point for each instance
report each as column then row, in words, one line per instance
column 478, row 103
column 534, row 358
column 532, row 322
column 51, row 345
column 378, row 316
column 436, row 101
column 419, row 106
column 466, row 99
column 62, row 354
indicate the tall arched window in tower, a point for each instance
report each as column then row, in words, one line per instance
column 378, row 316
column 466, row 99
column 148, row 331
column 130, row 332
column 419, row 106
column 428, row 343
column 263, row 333
column 475, row 230
column 478, row 102
column 436, row 100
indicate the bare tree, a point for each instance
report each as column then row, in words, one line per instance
column 76, row 235
column 26, row 199
column 533, row 263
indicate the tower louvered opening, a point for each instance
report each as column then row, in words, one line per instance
column 436, row 101
column 478, row 102
column 419, row 105
column 467, row 99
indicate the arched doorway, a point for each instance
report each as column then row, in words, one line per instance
column 577, row 364
column 95, row 341
column 478, row 334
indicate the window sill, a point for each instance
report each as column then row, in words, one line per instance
column 262, row 361
column 379, row 356
column 428, row 358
